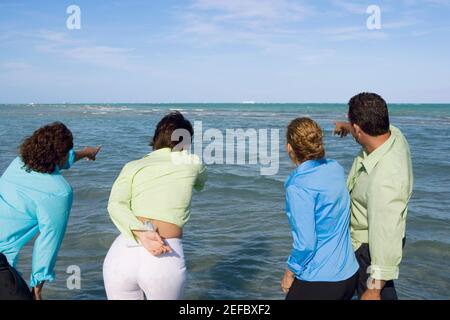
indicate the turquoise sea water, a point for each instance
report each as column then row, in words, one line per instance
column 238, row 238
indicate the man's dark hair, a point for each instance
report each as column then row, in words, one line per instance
column 46, row 147
column 369, row 111
column 165, row 128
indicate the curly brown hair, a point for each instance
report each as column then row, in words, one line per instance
column 306, row 139
column 46, row 147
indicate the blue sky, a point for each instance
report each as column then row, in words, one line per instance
column 223, row 51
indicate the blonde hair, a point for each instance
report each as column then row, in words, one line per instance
column 306, row 139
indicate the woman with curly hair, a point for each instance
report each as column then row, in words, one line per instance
column 322, row 265
column 35, row 198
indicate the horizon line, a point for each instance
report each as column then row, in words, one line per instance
column 208, row 102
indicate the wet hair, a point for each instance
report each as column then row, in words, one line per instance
column 370, row 112
column 46, row 147
column 162, row 137
column 306, row 139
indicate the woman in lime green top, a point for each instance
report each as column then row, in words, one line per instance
column 149, row 204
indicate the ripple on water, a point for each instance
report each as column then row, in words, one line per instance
column 238, row 238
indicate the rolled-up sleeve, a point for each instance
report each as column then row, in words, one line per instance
column 52, row 214
column 119, row 205
column 386, row 208
column 300, row 210
column 201, row 178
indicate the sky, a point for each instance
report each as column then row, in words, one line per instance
column 167, row 51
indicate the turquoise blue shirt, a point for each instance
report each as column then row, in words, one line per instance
column 32, row 203
column 318, row 208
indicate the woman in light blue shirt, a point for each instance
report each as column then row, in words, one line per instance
column 322, row 265
column 35, row 198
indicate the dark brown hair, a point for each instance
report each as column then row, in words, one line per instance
column 370, row 112
column 306, row 139
column 165, row 128
column 46, row 147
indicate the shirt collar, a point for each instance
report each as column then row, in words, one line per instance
column 369, row 161
column 308, row 165
column 303, row 168
column 166, row 150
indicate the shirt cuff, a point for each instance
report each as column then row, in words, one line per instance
column 137, row 226
column 70, row 160
column 134, row 227
column 294, row 266
column 38, row 278
column 385, row 273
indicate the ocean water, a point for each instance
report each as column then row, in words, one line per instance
column 238, row 238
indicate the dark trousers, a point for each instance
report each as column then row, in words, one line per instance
column 363, row 256
column 12, row 285
column 339, row 290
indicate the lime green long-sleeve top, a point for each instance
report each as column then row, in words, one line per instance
column 158, row 186
column 380, row 185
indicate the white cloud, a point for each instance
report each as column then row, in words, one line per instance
column 207, row 16
column 272, row 26
column 83, row 52
column 350, row 6
column 239, row 10
column 14, row 65
column 438, row 2
column 352, row 33
column 275, row 27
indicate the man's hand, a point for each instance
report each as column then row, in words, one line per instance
column 373, row 291
column 342, row 129
column 90, row 153
column 371, row 294
column 287, row 281
column 36, row 292
column 152, row 242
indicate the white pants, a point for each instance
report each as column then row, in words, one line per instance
column 130, row 272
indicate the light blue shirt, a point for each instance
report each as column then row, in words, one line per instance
column 32, row 203
column 318, row 208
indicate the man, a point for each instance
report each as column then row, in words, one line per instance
column 380, row 184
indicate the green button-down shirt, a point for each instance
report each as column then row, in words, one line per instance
column 158, row 186
column 380, row 185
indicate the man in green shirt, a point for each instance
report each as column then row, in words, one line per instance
column 380, row 184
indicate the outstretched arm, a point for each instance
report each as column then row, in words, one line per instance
column 342, row 129
column 89, row 153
